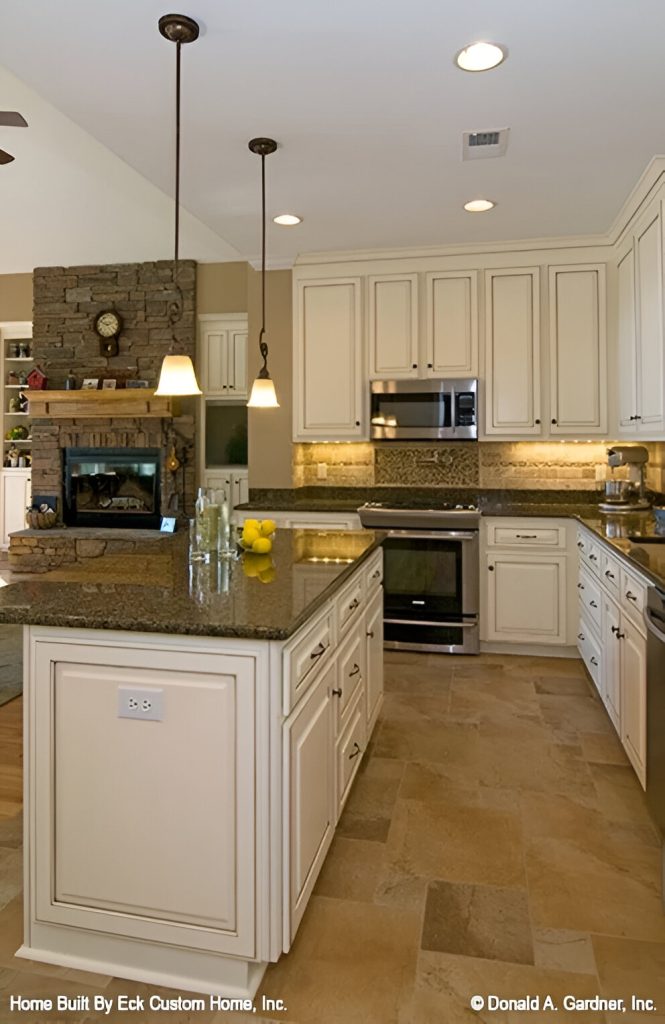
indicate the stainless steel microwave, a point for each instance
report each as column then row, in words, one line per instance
column 424, row 410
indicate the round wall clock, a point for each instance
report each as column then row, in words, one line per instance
column 108, row 326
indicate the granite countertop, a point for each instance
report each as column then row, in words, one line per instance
column 158, row 591
column 616, row 531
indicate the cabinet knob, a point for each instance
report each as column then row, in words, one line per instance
column 357, row 423
column 354, row 604
column 638, row 417
column 414, row 366
column 580, row 636
column 491, row 568
column 430, row 366
column 370, row 634
column 580, row 586
column 337, row 692
column 537, row 422
column 554, row 422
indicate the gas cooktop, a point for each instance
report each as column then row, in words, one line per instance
column 400, row 515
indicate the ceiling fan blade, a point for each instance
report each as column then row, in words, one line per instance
column 5, row 157
column 12, row 119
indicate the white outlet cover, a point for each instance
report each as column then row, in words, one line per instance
column 143, row 702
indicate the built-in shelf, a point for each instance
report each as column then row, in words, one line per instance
column 137, row 402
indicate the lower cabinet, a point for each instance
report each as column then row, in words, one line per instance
column 374, row 659
column 526, row 598
column 232, row 482
column 634, row 697
column 15, row 487
column 610, row 675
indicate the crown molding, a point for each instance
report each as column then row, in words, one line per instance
column 275, row 264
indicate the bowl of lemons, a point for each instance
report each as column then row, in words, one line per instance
column 257, row 536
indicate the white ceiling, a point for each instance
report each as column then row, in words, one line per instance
column 367, row 106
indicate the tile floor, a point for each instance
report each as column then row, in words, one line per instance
column 495, row 841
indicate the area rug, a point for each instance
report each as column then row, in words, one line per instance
column 11, row 662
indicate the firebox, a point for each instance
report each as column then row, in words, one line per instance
column 112, row 487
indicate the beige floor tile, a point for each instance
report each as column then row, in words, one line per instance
column 553, row 816
column 432, row 783
column 11, row 874
column 11, row 831
column 574, row 714
column 537, row 667
column 562, row 950
column 631, row 968
column 352, row 963
column 352, row 870
column 620, row 793
column 454, row 744
column 602, row 748
column 398, row 889
column 495, row 699
column 562, row 686
column 479, row 921
column 369, row 808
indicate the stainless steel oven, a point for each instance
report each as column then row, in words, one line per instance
column 430, row 577
column 654, row 620
column 424, row 410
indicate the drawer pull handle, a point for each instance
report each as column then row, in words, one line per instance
column 609, row 574
column 580, row 586
column 337, row 692
column 580, row 544
column 592, row 604
column 593, row 660
column 318, row 651
column 370, row 634
column 376, row 575
column 631, row 596
column 593, row 558
column 354, row 604
column 354, row 671
column 356, row 751
column 580, row 636
column 615, row 629
column 527, row 536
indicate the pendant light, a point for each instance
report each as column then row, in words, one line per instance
column 263, row 394
column 177, row 376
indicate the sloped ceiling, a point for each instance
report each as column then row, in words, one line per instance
column 365, row 102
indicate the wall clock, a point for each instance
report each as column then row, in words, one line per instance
column 108, row 326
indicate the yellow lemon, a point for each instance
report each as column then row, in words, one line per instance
column 251, row 524
column 268, row 526
column 262, row 545
column 249, row 535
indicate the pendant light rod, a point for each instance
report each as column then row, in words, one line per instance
column 263, row 148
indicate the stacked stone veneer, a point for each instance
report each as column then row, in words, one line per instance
column 43, row 550
column 66, row 303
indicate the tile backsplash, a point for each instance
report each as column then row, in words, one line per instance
column 546, row 465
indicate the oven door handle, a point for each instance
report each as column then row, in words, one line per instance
column 425, row 622
column 434, row 534
column 649, row 622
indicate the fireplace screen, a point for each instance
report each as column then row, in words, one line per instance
column 112, row 487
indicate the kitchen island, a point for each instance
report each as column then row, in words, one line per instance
column 191, row 736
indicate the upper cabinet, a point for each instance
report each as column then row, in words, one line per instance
column 640, row 327
column 330, row 390
column 512, row 352
column 577, row 350
column 443, row 343
column 223, row 356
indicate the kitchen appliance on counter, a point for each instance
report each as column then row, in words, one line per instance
column 654, row 618
column 424, row 410
column 629, row 494
column 430, row 576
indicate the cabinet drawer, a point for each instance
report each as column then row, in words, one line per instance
column 589, row 648
column 350, row 672
column 590, row 598
column 610, row 573
column 374, row 573
column 633, row 597
column 590, row 551
column 349, row 750
column 348, row 606
column 308, row 651
column 527, row 536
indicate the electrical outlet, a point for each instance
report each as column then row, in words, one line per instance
column 322, row 471
column 146, row 703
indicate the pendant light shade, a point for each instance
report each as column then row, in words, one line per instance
column 177, row 377
column 263, row 394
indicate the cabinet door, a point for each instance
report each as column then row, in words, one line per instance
column 239, row 488
column 15, row 496
column 578, row 347
column 651, row 349
column 374, row 659
column 452, row 324
column 214, row 344
column 237, row 363
column 309, row 793
column 329, row 387
column 611, row 682
column 220, row 482
column 393, row 326
column 512, row 310
column 633, row 696
column 526, row 598
column 627, row 340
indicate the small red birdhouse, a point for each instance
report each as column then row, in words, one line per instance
column 37, row 380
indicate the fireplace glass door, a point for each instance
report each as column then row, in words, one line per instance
column 112, row 487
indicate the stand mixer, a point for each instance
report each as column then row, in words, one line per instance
column 628, row 495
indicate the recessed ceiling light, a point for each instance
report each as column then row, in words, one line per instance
column 479, row 205
column 287, row 218
column 480, row 56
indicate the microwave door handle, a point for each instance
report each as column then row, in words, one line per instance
column 453, row 409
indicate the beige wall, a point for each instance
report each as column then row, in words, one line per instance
column 221, row 287
column 15, row 297
column 270, row 430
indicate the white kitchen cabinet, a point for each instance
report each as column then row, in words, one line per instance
column 311, row 790
column 633, row 696
column 330, row 390
column 610, row 690
column 15, row 498
column 640, row 328
column 451, row 306
column 374, row 659
column 322, row 521
column 526, row 598
column 393, row 326
column 232, row 483
column 577, row 350
column 223, row 356
column 512, row 352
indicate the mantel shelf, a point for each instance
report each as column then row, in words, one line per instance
column 76, row 405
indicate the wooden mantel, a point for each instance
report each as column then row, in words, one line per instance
column 76, row 405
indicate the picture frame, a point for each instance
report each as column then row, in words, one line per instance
column 109, row 384
column 90, row 384
column 168, row 524
column 137, row 384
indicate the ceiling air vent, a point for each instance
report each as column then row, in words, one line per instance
column 484, row 145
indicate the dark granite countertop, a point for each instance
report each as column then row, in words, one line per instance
column 154, row 589
column 616, row 530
